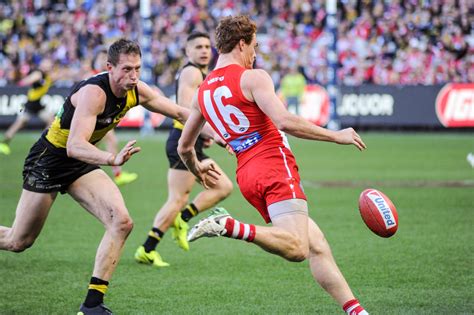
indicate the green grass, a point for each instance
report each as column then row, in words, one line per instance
column 426, row 268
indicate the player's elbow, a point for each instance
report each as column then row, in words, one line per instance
column 184, row 149
column 284, row 123
column 72, row 149
column 183, row 115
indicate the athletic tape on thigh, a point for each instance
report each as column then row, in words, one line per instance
column 290, row 206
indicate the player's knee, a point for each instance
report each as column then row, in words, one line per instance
column 298, row 255
column 19, row 246
column 319, row 246
column 123, row 225
column 227, row 188
column 298, row 252
column 179, row 202
column 126, row 225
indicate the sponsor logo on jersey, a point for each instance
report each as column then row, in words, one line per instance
column 383, row 208
column 213, row 80
column 105, row 121
column 455, row 105
column 243, row 143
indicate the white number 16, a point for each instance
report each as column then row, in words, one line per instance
column 225, row 111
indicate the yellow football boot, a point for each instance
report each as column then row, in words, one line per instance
column 5, row 148
column 151, row 258
column 180, row 232
column 125, row 178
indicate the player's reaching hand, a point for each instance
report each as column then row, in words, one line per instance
column 207, row 174
column 125, row 154
column 350, row 136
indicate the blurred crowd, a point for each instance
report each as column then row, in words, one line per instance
column 379, row 42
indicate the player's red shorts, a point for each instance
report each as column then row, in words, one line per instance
column 268, row 178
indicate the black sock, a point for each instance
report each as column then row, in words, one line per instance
column 189, row 212
column 154, row 237
column 95, row 295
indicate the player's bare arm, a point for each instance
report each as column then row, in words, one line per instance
column 258, row 86
column 189, row 81
column 89, row 102
column 205, row 172
column 31, row 78
column 153, row 101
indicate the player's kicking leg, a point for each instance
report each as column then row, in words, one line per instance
column 96, row 192
column 288, row 238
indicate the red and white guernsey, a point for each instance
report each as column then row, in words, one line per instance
column 241, row 123
column 267, row 170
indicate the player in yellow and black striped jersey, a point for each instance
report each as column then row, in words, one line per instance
column 180, row 180
column 39, row 80
column 65, row 159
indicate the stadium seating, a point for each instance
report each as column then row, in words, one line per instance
column 381, row 42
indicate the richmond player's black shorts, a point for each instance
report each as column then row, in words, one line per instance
column 48, row 169
column 33, row 107
column 172, row 150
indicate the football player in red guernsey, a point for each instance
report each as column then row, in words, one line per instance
column 240, row 104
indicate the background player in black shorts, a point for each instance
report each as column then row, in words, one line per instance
column 40, row 81
column 180, row 180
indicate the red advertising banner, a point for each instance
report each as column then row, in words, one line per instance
column 455, row 105
column 315, row 105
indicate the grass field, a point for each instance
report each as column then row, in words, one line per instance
column 426, row 268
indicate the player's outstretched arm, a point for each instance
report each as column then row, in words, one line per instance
column 30, row 78
column 258, row 86
column 153, row 101
column 90, row 102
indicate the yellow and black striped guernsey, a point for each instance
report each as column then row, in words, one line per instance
column 115, row 109
column 39, row 88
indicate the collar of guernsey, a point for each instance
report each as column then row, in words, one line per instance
column 58, row 134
